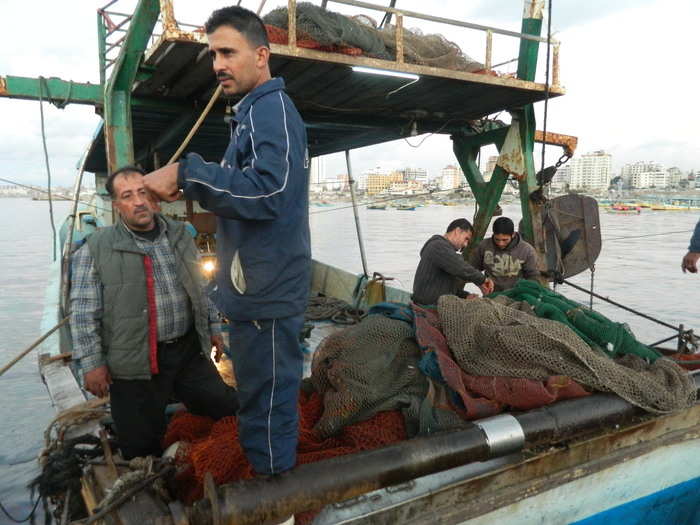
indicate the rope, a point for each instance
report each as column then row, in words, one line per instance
column 46, row 159
column 331, row 309
column 32, row 346
column 16, row 520
column 197, row 124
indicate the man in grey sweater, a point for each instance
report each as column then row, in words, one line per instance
column 443, row 271
column 505, row 257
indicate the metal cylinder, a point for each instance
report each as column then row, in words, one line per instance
column 314, row 485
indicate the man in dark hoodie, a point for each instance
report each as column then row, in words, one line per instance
column 443, row 271
column 505, row 257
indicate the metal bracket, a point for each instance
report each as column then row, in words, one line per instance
column 503, row 434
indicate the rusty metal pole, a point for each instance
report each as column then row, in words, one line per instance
column 360, row 241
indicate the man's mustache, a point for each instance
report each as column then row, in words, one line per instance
column 223, row 76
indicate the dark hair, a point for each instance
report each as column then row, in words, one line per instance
column 242, row 20
column 462, row 224
column 503, row 226
column 109, row 185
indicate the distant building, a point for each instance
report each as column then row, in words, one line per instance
column 417, row 174
column 561, row 180
column 649, row 179
column 379, row 182
column 410, row 187
column 632, row 172
column 452, row 177
column 591, row 171
column 490, row 166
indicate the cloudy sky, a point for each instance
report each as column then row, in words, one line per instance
column 628, row 67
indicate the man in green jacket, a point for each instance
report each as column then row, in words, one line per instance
column 141, row 325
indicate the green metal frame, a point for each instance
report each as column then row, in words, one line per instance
column 117, row 95
column 466, row 146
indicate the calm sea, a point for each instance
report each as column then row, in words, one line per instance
column 639, row 266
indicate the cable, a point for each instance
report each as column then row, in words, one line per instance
column 46, row 159
column 29, row 516
column 643, row 236
column 44, row 191
column 429, row 135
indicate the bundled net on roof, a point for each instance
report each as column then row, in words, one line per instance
column 429, row 50
column 329, row 31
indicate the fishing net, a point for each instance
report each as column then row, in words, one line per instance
column 330, row 29
column 319, row 28
column 429, row 50
column 365, row 369
column 490, row 339
column 214, row 447
column 615, row 339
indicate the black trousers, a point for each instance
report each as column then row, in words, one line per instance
column 138, row 406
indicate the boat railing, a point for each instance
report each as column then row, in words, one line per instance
column 113, row 27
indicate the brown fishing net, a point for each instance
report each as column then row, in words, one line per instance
column 319, row 28
column 365, row 369
column 489, row 339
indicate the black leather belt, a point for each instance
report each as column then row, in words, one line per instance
column 170, row 342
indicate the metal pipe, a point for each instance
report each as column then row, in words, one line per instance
column 640, row 314
column 292, row 23
column 414, row 14
column 351, row 181
column 489, row 50
column 313, row 485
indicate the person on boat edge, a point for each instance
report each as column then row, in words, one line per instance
column 141, row 324
column 505, row 257
column 259, row 193
column 443, row 271
column 690, row 260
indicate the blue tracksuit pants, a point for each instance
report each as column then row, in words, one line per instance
column 268, row 365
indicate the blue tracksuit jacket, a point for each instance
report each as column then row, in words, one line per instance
column 259, row 193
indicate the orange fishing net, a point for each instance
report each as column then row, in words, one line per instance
column 214, row 446
column 277, row 35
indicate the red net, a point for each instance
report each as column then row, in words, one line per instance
column 277, row 35
column 486, row 396
column 214, row 446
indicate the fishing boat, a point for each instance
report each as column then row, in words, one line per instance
column 593, row 459
column 624, row 209
column 406, row 207
column 376, row 207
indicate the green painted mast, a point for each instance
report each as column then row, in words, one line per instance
column 467, row 144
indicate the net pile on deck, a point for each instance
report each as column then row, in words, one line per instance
column 319, row 28
column 406, row 370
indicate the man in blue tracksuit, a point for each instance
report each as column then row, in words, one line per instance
column 259, row 193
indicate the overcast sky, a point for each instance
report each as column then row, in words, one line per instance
column 629, row 68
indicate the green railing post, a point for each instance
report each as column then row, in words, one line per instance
column 101, row 45
column 527, row 67
column 117, row 111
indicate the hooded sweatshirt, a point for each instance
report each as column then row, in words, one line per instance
column 516, row 261
column 442, row 271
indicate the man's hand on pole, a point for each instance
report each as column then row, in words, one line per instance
column 163, row 183
column 97, row 381
column 217, row 341
column 689, row 262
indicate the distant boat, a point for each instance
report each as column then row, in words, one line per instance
column 406, row 207
column 624, row 209
column 376, row 207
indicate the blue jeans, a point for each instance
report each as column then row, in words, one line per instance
column 268, row 364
